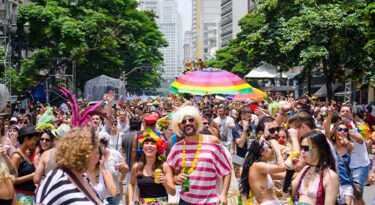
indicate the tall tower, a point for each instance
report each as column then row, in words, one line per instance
column 152, row 5
column 187, row 45
column 171, row 26
column 231, row 12
column 205, row 22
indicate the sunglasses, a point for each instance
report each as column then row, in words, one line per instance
column 45, row 139
column 114, row 124
column 273, row 129
column 304, row 148
column 205, row 123
column 342, row 129
column 191, row 120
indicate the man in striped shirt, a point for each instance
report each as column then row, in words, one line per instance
column 199, row 160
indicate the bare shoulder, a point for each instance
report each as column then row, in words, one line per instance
column 330, row 179
column 330, row 175
column 15, row 156
column 45, row 156
column 211, row 139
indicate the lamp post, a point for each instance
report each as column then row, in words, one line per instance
column 147, row 67
column 123, row 78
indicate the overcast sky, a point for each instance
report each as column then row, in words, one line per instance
column 184, row 8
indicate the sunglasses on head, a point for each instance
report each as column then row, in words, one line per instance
column 273, row 129
column 305, row 148
column 45, row 139
column 340, row 129
column 184, row 121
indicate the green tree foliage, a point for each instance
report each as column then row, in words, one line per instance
column 328, row 36
column 99, row 37
column 369, row 16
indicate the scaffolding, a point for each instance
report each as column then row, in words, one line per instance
column 16, row 50
column 7, row 23
column 348, row 92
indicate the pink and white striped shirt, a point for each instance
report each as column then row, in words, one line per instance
column 212, row 163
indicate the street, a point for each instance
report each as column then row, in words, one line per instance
column 369, row 194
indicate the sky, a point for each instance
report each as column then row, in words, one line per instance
column 184, row 9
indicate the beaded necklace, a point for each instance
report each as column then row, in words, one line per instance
column 195, row 161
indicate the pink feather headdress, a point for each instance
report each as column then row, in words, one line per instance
column 77, row 119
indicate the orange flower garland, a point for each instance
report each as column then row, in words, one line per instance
column 195, row 161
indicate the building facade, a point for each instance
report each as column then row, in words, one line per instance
column 170, row 24
column 188, row 54
column 205, row 28
column 231, row 12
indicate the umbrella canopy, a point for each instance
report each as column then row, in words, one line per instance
column 210, row 81
column 256, row 95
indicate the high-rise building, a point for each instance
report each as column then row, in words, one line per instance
column 205, row 27
column 231, row 12
column 187, row 45
column 149, row 5
column 170, row 23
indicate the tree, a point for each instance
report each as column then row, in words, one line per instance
column 321, row 35
column 99, row 37
column 328, row 36
column 369, row 16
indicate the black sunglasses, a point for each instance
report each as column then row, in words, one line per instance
column 342, row 129
column 273, row 129
column 45, row 139
column 205, row 123
column 191, row 120
column 305, row 148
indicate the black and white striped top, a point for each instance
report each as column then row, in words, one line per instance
column 56, row 188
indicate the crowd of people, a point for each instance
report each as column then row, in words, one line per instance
column 174, row 150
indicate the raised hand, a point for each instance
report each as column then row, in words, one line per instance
column 288, row 104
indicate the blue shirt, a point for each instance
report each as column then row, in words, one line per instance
column 345, row 177
column 237, row 132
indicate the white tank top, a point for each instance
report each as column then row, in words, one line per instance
column 100, row 188
column 359, row 156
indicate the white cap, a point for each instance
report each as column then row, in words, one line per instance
column 14, row 119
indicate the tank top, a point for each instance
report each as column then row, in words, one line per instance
column 320, row 195
column 345, row 177
column 149, row 189
column 100, row 187
column 6, row 201
column 25, row 168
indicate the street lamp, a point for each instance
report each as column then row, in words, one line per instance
column 147, row 67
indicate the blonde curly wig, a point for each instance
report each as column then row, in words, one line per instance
column 179, row 115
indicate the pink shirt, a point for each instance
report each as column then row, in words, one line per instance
column 212, row 163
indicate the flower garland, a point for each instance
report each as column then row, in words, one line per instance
column 365, row 131
column 160, row 142
column 195, row 160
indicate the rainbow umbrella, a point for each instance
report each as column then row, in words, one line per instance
column 254, row 96
column 210, row 81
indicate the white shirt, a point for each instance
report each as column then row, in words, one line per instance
column 225, row 132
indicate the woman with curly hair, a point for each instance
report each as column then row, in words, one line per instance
column 151, row 173
column 317, row 183
column 77, row 152
column 257, row 174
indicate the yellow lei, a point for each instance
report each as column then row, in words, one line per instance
column 195, row 161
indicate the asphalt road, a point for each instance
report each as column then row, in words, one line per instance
column 369, row 195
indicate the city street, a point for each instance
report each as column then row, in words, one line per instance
column 369, row 194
